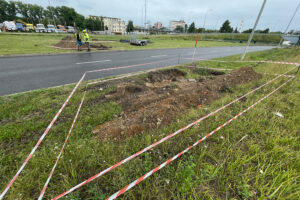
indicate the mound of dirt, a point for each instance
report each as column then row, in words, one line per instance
column 170, row 74
column 68, row 42
column 156, row 103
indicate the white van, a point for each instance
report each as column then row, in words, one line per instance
column 10, row 26
column 40, row 28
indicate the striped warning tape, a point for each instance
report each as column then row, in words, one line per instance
column 62, row 149
column 74, row 121
column 58, row 114
column 134, row 183
column 164, row 139
column 249, row 61
column 41, row 138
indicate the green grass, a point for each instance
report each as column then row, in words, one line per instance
column 255, row 157
column 15, row 44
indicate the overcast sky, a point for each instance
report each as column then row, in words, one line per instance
column 276, row 15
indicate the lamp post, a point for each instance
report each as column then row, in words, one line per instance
column 52, row 14
column 253, row 30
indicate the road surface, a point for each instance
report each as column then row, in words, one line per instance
column 25, row 73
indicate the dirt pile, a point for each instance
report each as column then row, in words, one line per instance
column 164, row 95
column 68, row 42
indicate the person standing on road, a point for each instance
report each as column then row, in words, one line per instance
column 86, row 39
column 78, row 40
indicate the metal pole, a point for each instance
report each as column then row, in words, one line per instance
column 52, row 14
column 253, row 30
column 288, row 26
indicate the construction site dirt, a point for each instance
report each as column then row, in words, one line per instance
column 156, row 99
column 68, row 42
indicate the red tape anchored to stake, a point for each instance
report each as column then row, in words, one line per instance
column 134, row 183
column 164, row 139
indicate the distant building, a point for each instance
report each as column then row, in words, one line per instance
column 158, row 25
column 114, row 25
column 174, row 24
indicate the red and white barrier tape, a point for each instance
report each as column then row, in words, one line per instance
column 57, row 115
column 41, row 138
column 163, row 140
column 62, row 149
column 239, row 61
column 134, row 183
column 74, row 121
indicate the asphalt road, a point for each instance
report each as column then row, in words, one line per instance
column 24, row 73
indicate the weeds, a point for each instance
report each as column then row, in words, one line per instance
column 263, row 165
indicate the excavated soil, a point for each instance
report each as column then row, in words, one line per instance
column 164, row 95
column 68, row 42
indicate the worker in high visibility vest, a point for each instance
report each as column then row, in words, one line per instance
column 86, row 39
column 78, row 40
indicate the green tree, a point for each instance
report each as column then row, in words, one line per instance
column 226, row 28
column 248, row 30
column 35, row 13
column 130, row 27
column 179, row 29
column 192, row 28
column 79, row 21
column 200, row 30
column 11, row 10
column 185, row 28
column 23, row 10
column 236, row 30
column 3, row 9
column 45, row 21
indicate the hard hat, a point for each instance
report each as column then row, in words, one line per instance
column 84, row 31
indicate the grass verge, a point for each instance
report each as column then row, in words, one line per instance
column 16, row 44
column 255, row 157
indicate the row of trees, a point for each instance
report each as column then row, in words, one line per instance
column 31, row 13
column 225, row 28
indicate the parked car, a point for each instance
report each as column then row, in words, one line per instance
column 29, row 27
column 20, row 27
column 50, row 28
column 71, row 29
column 40, row 28
column 60, row 31
column 10, row 26
column 60, row 27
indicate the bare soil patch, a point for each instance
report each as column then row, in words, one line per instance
column 68, row 42
column 163, row 95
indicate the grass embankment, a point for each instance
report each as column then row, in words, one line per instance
column 12, row 44
column 255, row 157
column 261, row 38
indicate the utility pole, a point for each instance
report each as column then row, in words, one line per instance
column 253, row 30
column 52, row 14
column 145, row 14
column 288, row 26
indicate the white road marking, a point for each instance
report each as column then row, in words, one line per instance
column 158, row 56
column 82, row 63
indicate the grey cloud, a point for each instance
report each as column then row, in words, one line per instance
column 276, row 15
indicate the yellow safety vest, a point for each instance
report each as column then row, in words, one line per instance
column 76, row 36
column 86, row 37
